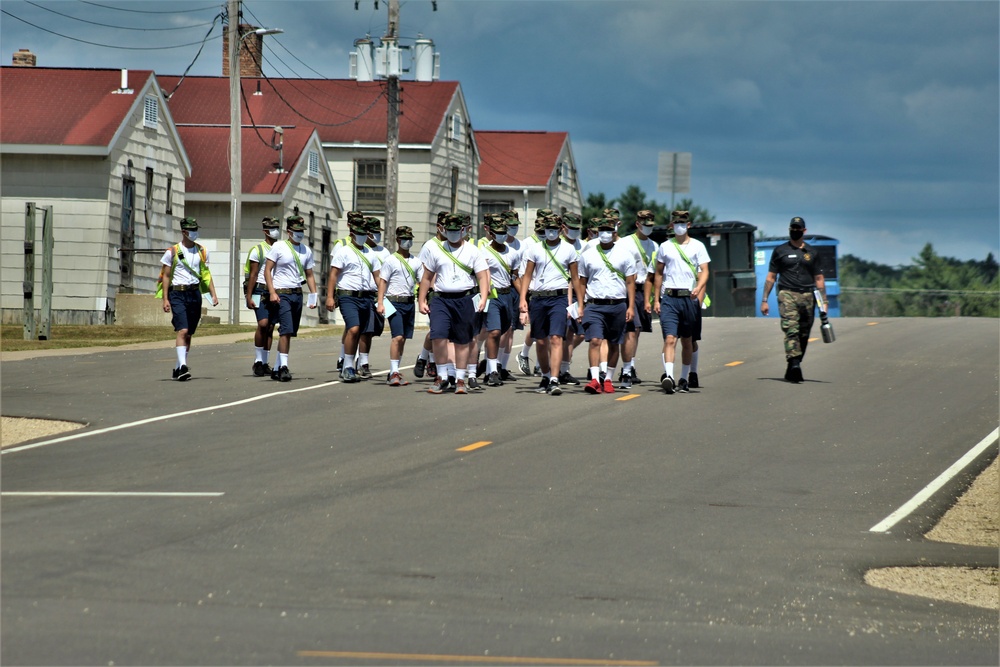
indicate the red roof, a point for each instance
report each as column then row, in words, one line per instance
column 208, row 148
column 342, row 111
column 64, row 107
column 521, row 159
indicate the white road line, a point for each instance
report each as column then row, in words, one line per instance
column 916, row 501
column 134, row 494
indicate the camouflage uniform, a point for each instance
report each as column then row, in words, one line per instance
column 796, row 311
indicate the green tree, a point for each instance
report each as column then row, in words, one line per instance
column 633, row 200
column 699, row 215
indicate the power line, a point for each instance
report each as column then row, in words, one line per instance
column 150, row 11
column 115, row 27
column 200, row 49
column 316, row 122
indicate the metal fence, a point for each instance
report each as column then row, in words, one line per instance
column 901, row 302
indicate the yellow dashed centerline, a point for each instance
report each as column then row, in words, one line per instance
column 628, row 397
column 474, row 446
column 734, row 363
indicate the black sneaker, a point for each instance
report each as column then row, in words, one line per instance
column 538, row 370
column 625, row 381
column 175, row 373
column 667, row 383
column 480, row 368
column 364, row 372
column 566, row 378
column 693, row 380
column 601, row 377
column 472, row 384
column 554, row 389
column 493, row 379
column 340, row 365
column 635, row 377
column 682, row 386
column 182, row 373
column 258, row 369
column 284, row 375
column 506, row 376
column 274, row 374
column 432, row 369
column 421, row 366
column 543, row 386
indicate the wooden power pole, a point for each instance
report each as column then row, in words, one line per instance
column 391, row 42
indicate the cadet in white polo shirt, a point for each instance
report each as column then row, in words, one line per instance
column 504, row 262
column 289, row 266
column 257, row 297
column 644, row 251
column 398, row 280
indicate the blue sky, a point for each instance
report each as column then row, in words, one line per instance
column 878, row 122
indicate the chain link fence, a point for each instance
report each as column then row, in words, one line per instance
column 901, row 302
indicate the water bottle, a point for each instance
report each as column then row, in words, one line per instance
column 826, row 329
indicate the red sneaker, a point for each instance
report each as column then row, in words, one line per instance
column 594, row 387
column 608, row 387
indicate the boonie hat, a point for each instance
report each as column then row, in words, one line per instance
column 404, row 232
column 295, row 223
column 552, row 221
column 680, row 217
column 543, row 213
column 454, row 222
column 497, row 226
column 572, row 220
column 606, row 223
column 189, row 224
column 355, row 218
column 612, row 213
column 373, row 224
column 509, row 215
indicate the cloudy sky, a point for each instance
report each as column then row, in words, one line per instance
column 875, row 121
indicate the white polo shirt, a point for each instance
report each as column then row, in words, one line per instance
column 449, row 276
column 603, row 282
column 192, row 256
column 286, row 274
column 547, row 274
column 500, row 275
column 399, row 280
column 676, row 272
column 355, row 274
column 640, row 247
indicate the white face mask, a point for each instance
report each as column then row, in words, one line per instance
column 360, row 239
column 680, row 230
column 298, row 236
column 572, row 234
column 606, row 237
column 501, row 238
column 377, row 236
column 454, row 236
column 646, row 229
column 193, row 236
column 406, row 244
column 512, row 231
column 273, row 233
column 551, row 234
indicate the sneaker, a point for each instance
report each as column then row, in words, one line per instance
column 566, row 378
column 493, row 379
column 667, row 383
column 505, row 376
column 284, row 375
column 460, row 386
column 394, row 380
column 274, row 373
column 473, row 385
column 554, row 389
column 438, row 387
column 538, row 370
column 635, row 377
column 418, row 370
column 452, row 383
column 682, row 386
column 365, row 373
column 543, row 386
column 258, row 369
column 183, row 373
column 522, row 365
column 340, row 365
column 432, row 369
column 594, row 387
column 693, row 380
column 609, row 387
column 349, row 375
column 481, row 368
column 625, row 381
column 601, row 377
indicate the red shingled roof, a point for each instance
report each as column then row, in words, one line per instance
column 208, row 148
column 64, row 107
column 342, row 111
column 520, row 159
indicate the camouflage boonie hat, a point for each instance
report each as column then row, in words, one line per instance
column 680, row 217
column 404, row 232
column 592, row 223
column 496, row 224
column 797, row 222
column 612, row 213
column 606, row 223
column 465, row 218
column 441, row 216
column 543, row 213
column 572, row 220
column 454, row 222
column 295, row 223
column 189, row 224
column 490, row 217
column 552, row 221
column 270, row 223
column 645, row 214
column 373, row 224
column 509, row 215
column 355, row 218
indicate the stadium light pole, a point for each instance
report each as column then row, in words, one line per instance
column 236, row 153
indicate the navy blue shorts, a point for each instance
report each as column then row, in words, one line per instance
column 516, row 301
column 266, row 310
column 453, row 319
column 641, row 320
column 185, row 309
column 376, row 324
column 500, row 314
column 289, row 313
column 355, row 310
column 605, row 322
column 678, row 316
column 548, row 316
column 401, row 322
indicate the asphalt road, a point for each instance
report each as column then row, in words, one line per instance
column 330, row 524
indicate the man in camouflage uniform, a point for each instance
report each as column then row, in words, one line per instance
column 797, row 263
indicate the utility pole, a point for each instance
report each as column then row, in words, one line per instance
column 235, row 161
column 391, row 42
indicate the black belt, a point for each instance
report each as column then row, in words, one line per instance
column 288, row 290
column 549, row 292
column 259, row 288
column 606, row 302
column 677, row 292
column 455, row 295
column 183, row 288
column 399, row 299
column 354, row 292
column 503, row 290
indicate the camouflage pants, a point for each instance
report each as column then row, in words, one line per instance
column 796, row 311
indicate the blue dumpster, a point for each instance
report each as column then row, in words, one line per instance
column 827, row 248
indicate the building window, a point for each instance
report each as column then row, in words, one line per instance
column 454, row 188
column 455, row 130
column 170, row 194
column 313, row 164
column 564, row 174
column 148, row 204
column 370, row 186
column 151, row 112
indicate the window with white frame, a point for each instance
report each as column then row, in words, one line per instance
column 564, row 173
column 370, row 186
column 150, row 111
column 313, row 164
column 456, row 127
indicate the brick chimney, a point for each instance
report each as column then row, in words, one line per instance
column 250, row 53
column 24, row 58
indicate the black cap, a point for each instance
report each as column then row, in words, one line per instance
column 797, row 222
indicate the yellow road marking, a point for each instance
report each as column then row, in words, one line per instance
column 489, row 659
column 629, row 397
column 734, row 363
column 871, row 324
column 813, row 340
column 475, row 445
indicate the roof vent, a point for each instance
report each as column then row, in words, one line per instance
column 124, row 89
